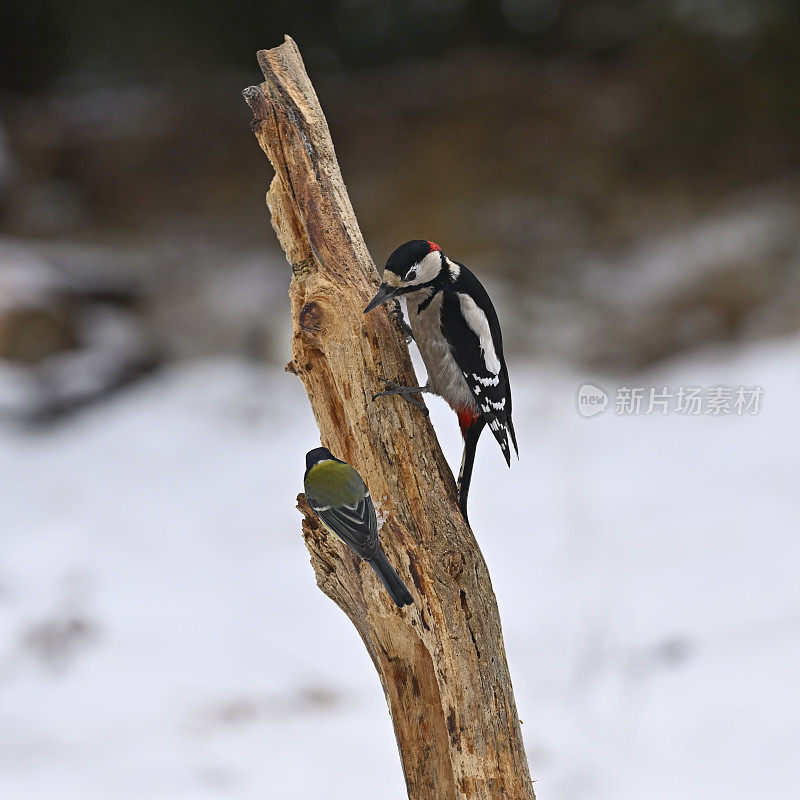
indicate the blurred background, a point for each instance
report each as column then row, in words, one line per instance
column 624, row 178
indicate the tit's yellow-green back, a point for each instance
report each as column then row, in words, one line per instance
column 332, row 484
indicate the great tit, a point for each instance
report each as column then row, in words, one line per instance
column 339, row 497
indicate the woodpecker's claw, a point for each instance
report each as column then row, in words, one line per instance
column 405, row 392
column 397, row 311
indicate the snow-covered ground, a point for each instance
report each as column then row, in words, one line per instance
column 161, row 635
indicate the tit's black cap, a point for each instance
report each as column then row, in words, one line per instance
column 316, row 455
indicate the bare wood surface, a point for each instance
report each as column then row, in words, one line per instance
column 441, row 662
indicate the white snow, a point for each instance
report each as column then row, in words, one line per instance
column 753, row 231
column 161, row 635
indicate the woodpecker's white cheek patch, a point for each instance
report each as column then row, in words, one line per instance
column 426, row 270
column 477, row 321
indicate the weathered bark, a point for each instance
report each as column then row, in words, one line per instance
column 441, row 662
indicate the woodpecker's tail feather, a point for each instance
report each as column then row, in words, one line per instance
column 391, row 580
column 510, row 426
column 471, row 436
column 504, row 447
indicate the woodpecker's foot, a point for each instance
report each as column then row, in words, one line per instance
column 407, row 332
column 403, row 391
column 397, row 312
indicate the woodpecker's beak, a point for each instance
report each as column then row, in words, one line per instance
column 385, row 293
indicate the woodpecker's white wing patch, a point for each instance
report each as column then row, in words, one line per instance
column 468, row 319
column 478, row 323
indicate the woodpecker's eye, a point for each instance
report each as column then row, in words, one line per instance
column 411, row 275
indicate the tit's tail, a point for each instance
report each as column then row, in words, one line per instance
column 391, row 580
column 471, row 436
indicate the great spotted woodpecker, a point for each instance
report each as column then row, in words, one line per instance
column 458, row 334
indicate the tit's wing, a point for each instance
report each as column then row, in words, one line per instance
column 340, row 498
column 481, row 361
column 356, row 525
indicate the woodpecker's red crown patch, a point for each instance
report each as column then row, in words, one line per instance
column 434, row 246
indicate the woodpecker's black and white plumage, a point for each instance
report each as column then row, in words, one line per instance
column 458, row 334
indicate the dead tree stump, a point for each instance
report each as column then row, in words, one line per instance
column 441, row 662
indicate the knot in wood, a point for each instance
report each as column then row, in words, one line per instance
column 453, row 564
column 310, row 318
